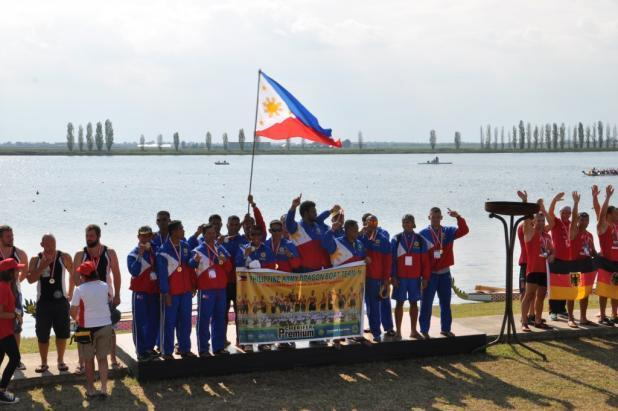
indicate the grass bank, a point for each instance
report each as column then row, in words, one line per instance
column 580, row 373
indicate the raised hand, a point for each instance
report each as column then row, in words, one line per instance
column 595, row 191
column 576, row 196
column 559, row 197
column 336, row 226
column 523, row 195
column 296, row 201
column 336, row 209
column 609, row 190
column 250, row 200
column 453, row 213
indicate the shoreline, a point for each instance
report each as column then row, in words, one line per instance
column 343, row 151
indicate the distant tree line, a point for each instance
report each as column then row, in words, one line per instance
column 101, row 137
column 550, row 137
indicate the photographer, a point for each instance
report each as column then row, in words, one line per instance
column 90, row 308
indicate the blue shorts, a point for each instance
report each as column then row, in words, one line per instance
column 409, row 289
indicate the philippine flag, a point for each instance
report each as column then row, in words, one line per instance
column 281, row 116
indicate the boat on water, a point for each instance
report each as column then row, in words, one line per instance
column 222, row 163
column 435, row 161
column 483, row 293
column 596, row 172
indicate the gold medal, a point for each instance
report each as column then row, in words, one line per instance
column 52, row 281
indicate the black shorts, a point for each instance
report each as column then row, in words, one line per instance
column 522, row 279
column 539, row 279
column 52, row 314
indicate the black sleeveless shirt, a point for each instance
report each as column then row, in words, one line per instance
column 103, row 265
column 51, row 286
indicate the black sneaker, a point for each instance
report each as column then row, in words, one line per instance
column 390, row 333
column 154, row 353
column 188, row 354
column 8, row 398
column 222, row 352
column 205, row 354
column 606, row 321
column 167, row 357
column 144, row 357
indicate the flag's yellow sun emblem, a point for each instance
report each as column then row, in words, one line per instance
column 271, row 107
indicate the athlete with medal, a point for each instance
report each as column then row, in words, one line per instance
column 441, row 260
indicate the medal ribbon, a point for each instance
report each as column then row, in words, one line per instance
column 437, row 239
column 407, row 246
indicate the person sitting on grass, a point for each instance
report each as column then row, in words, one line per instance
column 90, row 309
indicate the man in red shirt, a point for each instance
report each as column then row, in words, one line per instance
column 559, row 228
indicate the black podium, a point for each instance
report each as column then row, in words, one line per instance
column 498, row 209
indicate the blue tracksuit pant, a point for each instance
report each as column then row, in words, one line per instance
column 145, row 309
column 386, row 313
column 440, row 283
column 378, row 309
column 211, row 313
column 176, row 317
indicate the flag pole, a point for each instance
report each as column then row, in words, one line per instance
column 257, row 101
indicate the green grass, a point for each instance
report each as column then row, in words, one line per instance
column 579, row 373
column 482, row 309
column 30, row 345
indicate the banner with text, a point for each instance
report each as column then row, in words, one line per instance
column 274, row 306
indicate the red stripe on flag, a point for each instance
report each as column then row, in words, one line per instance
column 292, row 127
column 564, row 280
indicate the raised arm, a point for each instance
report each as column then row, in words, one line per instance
column 595, row 201
column 602, row 222
column 551, row 216
column 328, row 239
column 290, row 220
column 462, row 227
column 528, row 222
column 575, row 218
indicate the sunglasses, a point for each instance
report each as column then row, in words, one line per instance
column 275, row 230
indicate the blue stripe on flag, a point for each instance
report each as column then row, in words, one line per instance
column 297, row 108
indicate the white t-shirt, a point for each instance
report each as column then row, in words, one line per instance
column 92, row 299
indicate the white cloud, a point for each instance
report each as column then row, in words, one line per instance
column 394, row 69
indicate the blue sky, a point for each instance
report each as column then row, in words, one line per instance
column 393, row 69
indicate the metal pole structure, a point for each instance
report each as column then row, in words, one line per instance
column 508, row 321
column 257, row 101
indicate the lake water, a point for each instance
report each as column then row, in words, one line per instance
column 122, row 193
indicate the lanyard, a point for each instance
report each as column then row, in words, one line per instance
column 209, row 250
column 275, row 248
column 94, row 259
column 178, row 253
column 405, row 241
column 437, row 239
column 544, row 243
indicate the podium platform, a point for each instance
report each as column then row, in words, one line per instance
column 466, row 341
